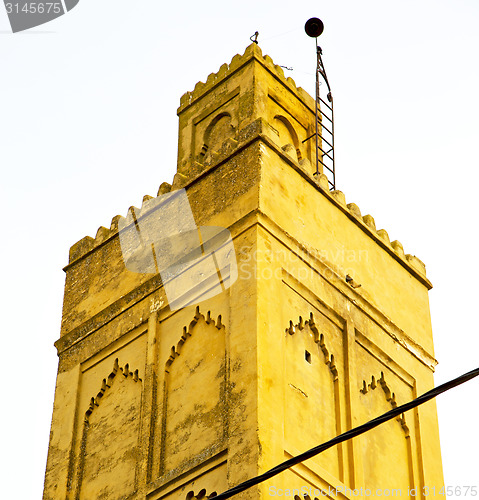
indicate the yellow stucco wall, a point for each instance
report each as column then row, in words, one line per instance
column 154, row 403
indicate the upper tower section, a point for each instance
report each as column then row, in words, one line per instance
column 250, row 95
column 244, row 152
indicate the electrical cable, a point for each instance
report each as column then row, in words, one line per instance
column 427, row 396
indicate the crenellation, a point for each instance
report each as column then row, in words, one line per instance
column 322, row 180
column 146, row 198
column 179, row 181
column 133, row 209
column 102, row 235
column 383, row 234
column 222, row 71
column 212, row 77
column 198, row 88
column 339, row 196
column 252, row 51
column 236, row 61
column 185, row 99
column 398, row 248
column 147, row 204
column 369, row 221
column 417, row 263
column 114, row 223
column 164, row 188
column 80, row 248
column 269, row 62
column 280, row 72
column 354, row 209
column 88, row 243
column 305, row 164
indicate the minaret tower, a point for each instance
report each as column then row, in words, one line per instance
column 320, row 324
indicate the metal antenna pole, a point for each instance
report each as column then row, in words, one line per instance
column 317, row 105
column 314, row 27
column 330, row 154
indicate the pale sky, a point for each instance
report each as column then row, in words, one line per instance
column 88, row 126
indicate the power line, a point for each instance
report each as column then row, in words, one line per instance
column 427, row 396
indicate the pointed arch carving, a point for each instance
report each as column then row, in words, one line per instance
column 102, row 453
column 107, row 383
column 387, row 439
column 194, row 409
column 319, row 339
column 312, row 394
column 187, row 332
column 388, row 394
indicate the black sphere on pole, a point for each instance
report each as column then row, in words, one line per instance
column 314, row 27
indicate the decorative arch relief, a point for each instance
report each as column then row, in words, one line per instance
column 188, row 331
column 219, row 134
column 107, row 383
column 109, row 448
column 287, row 137
column 319, row 339
column 312, row 403
column 386, row 442
column 388, row 394
column 194, row 423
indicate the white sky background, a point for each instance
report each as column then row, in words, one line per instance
column 88, row 126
